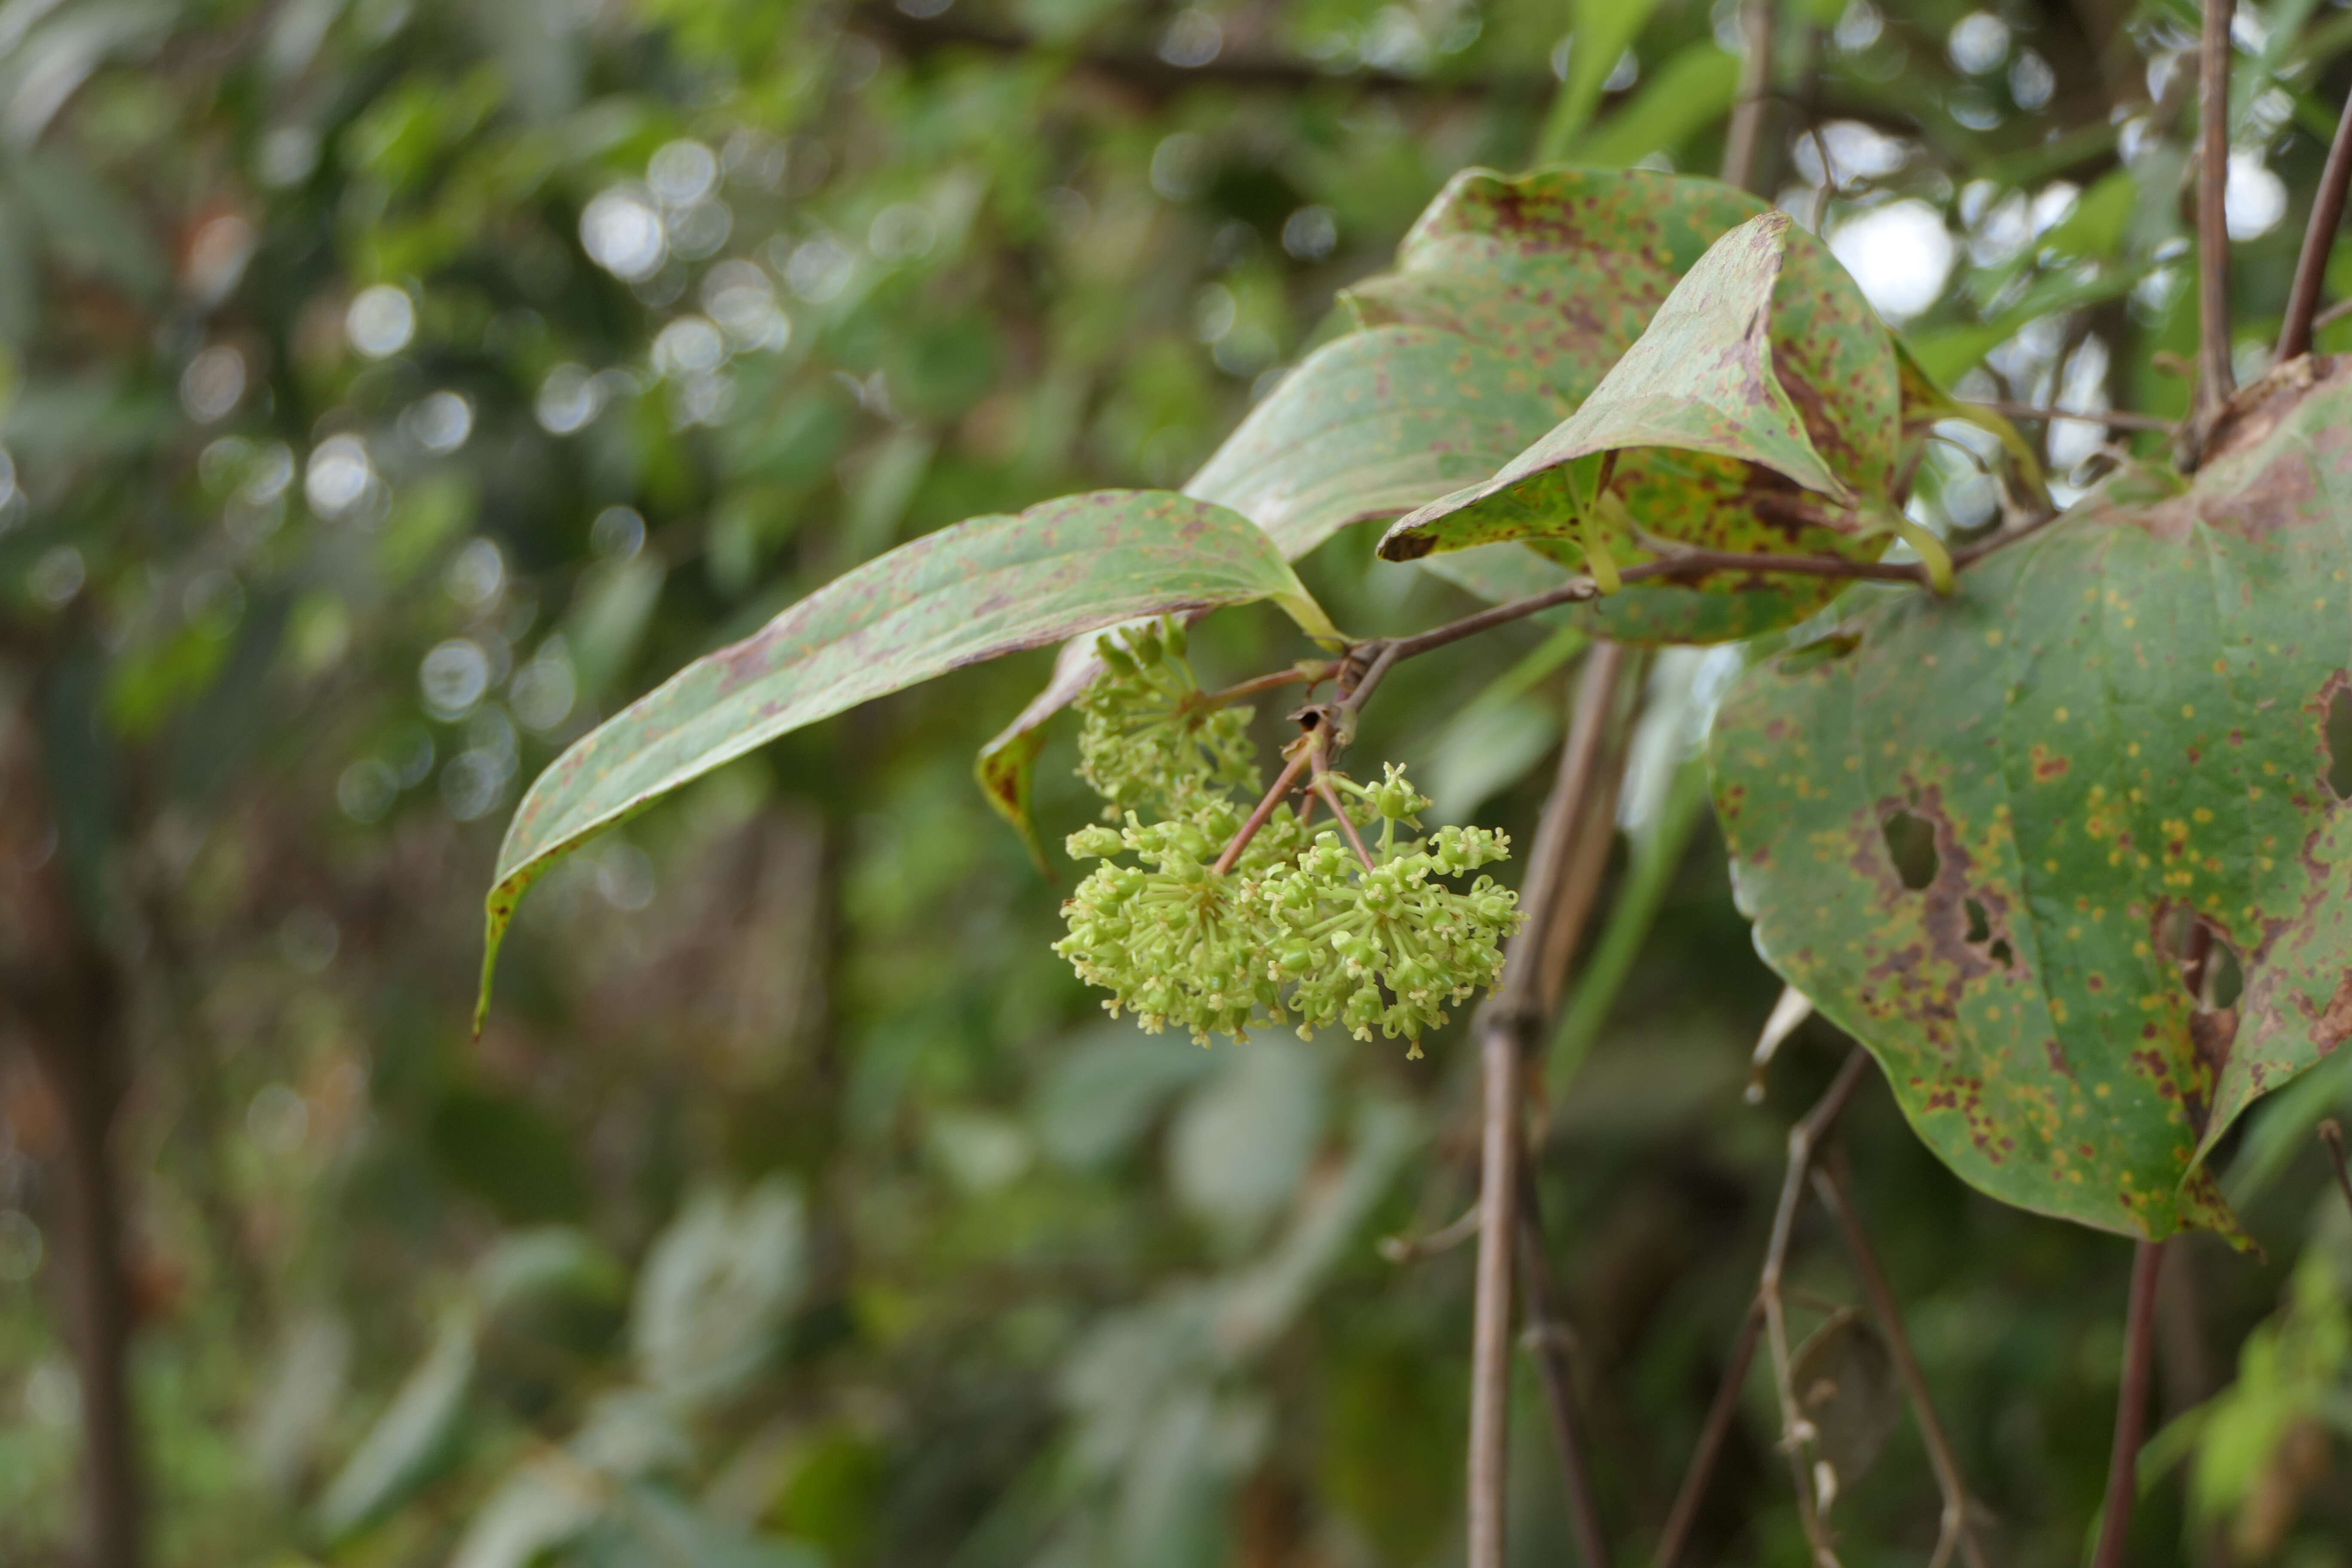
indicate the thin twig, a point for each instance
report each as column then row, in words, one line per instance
column 1323, row 787
column 2332, row 1134
column 1744, row 138
column 1490, row 1342
column 2319, row 242
column 1687, row 565
column 1957, row 1529
column 1551, row 1342
column 2330, row 316
column 1796, row 1432
column 2215, row 378
column 1444, row 1239
column 1508, row 1025
column 2131, row 1407
column 1283, row 784
column 2114, row 419
column 1312, row 673
column 1711, row 1436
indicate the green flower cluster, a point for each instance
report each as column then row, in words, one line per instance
column 1149, row 735
column 1297, row 927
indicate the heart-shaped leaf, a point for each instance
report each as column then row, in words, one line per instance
column 1758, row 412
column 1983, row 833
column 988, row 587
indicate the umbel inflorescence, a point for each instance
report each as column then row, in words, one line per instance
column 1319, row 927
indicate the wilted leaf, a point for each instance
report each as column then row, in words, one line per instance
column 982, row 588
column 1846, row 1386
column 1978, row 831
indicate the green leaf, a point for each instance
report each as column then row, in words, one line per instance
column 1561, row 269
column 411, row 1443
column 1603, row 30
column 1976, row 830
column 989, row 586
column 1763, row 373
column 1690, row 92
column 1371, row 425
column 1513, row 295
column 717, row 1286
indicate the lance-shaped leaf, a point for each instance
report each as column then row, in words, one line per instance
column 1759, row 413
column 988, row 587
column 1981, row 831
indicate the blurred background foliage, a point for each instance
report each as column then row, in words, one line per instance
column 391, row 387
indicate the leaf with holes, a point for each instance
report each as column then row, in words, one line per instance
column 1986, row 834
column 991, row 585
column 1759, row 413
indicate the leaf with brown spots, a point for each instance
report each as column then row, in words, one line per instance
column 2112, row 736
column 1513, row 295
column 989, row 586
column 1760, row 411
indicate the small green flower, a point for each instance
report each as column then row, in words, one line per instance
column 1297, row 929
column 1149, row 736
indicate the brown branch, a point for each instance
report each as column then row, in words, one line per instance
column 1283, row 785
column 2113, row 419
column 71, row 996
column 1765, row 1315
column 1490, row 1341
column 2215, row 378
column 1549, row 1338
column 1711, row 1437
column 2330, row 316
column 1687, row 565
column 1148, row 73
column 2319, row 242
column 1957, row 1528
column 1796, row 1432
column 2332, row 1134
column 1507, row 1027
column 1324, row 787
column 1312, row 673
column 2131, row 1407
column 1744, row 138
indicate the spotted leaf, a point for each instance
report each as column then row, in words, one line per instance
column 1990, row 835
column 1758, row 412
column 982, row 588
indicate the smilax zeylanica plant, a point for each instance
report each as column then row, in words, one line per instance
column 1224, row 917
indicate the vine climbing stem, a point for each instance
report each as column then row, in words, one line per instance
column 2215, row 378
column 2318, row 241
column 2131, row 1406
column 1508, row 1027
